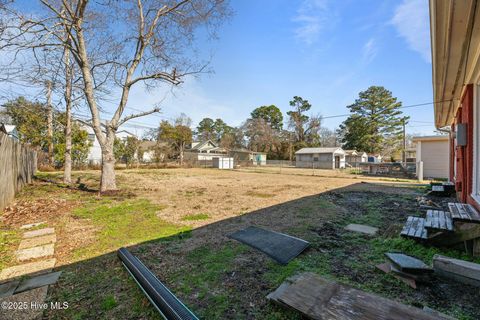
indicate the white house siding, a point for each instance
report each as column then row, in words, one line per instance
column 435, row 157
column 325, row 161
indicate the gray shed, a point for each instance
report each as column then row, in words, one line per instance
column 322, row 158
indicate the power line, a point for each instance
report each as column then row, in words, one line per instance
column 402, row 107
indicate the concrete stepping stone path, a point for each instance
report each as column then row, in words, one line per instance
column 28, row 282
column 37, row 241
column 30, row 269
column 38, row 233
column 32, row 225
column 35, row 252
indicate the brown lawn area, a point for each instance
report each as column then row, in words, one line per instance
column 176, row 221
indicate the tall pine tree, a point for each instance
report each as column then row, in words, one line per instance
column 375, row 124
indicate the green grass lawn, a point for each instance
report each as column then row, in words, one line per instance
column 224, row 279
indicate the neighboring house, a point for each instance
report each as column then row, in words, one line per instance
column 455, row 42
column 95, row 152
column 322, row 158
column 10, row 130
column 206, row 150
column 433, row 151
column 148, row 151
column 353, row 157
column 257, row 158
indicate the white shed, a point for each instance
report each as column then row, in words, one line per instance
column 222, row 163
column 434, row 151
column 321, row 158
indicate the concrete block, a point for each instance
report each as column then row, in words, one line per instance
column 8, row 288
column 38, row 281
column 38, row 233
column 32, row 225
column 37, row 241
column 362, row 229
column 458, row 270
column 32, row 268
column 35, row 252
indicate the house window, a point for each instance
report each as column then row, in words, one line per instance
column 315, row 158
column 476, row 146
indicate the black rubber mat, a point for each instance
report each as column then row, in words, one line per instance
column 278, row 246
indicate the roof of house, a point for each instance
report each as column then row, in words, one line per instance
column 199, row 145
column 320, row 150
column 453, row 24
column 247, row 151
column 431, row 138
column 351, row 152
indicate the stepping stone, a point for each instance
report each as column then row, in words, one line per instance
column 32, row 268
column 38, row 281
column 7, row 289
column 38, row 233
column 35, row 252
column 408, row 264
column 362, row 229
column 37, row 241
column 32, row 225
column 458, row 270
column 35, row 296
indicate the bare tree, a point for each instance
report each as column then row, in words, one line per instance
column 117, row 45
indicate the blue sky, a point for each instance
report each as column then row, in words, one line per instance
column 324, row 51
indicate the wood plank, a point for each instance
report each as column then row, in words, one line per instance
column 406, row 226
column 318, row 298
column 449, row 221
column 438, row 220
column 460, row 270
column 463, row 232
column 464, row 212
column 420, row 227
column 414, row 228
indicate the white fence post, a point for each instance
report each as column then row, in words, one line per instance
column 420, row 171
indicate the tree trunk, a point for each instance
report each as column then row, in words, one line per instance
column 67, row 169
column 182, row 148
column 50, row 123
column 108, row 181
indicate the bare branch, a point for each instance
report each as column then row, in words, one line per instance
column 138, row 115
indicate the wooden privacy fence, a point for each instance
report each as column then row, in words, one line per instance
column 18, row 164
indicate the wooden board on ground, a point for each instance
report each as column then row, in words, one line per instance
column 318, row 298
column 414, row 228
column 438, row 220
column 459, row 270
column 463, row 212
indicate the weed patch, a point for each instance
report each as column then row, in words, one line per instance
column 196, row 217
